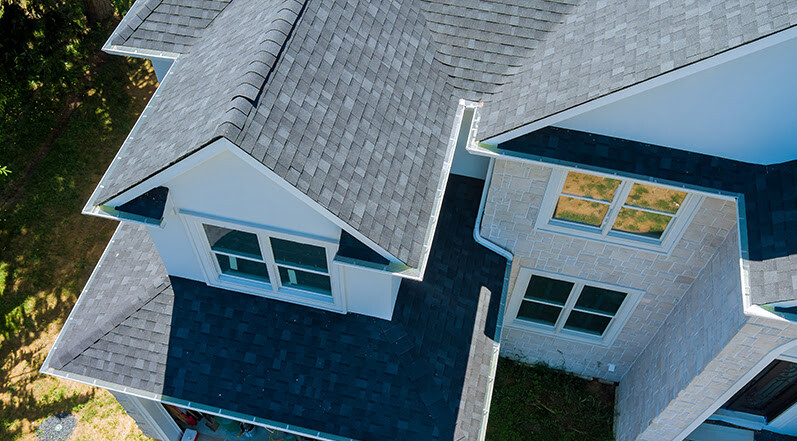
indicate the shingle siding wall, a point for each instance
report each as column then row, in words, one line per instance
column 514, row 198
column 699, row 328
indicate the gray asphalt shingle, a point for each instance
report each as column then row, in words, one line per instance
column 352, row 102
column 606, row 46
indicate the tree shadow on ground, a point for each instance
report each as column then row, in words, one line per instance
column 48, row 249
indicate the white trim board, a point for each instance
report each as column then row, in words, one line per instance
column 731, row 391
column 634, row 89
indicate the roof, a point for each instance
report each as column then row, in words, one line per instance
column 767, row 193
column 324, row 92
column 422, row 375
column 351, row 101
column 167, row 26
column 606, row 46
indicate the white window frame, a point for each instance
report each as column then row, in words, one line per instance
column 558, row 330
column 272, row 289
column 675, row 229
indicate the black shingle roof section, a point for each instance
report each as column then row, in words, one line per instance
column 423, row 375
column 769, row 193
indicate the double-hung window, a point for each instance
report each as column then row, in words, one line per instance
column 569, row 307
column 614, row 209
column 266, row 262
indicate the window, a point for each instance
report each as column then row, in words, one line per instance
column 570, row 307
column 260, row 261
column 616, row 209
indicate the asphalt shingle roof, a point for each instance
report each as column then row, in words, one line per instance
column 170, row 26
column 606, row 46
column 351, row 102
column 422, row 375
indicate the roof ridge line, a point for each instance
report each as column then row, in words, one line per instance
column 247, row 93
column 118, row 318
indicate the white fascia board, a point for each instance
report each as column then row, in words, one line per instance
column 661, row 79
column 158, row 179
column 87, row 209
column 129, row 50
column 402, row 270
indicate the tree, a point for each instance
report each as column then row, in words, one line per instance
column 99, row 11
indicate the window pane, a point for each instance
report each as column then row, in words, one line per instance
column 305, row 281
column 656, row 198
column 580, row 211
column 232, row 241
column 299, row 254
column 643, row 223
column 242, row 268
column 543, row 288
column 591, row 186
column 537, row 312
column 600, row 300
column 589, row 323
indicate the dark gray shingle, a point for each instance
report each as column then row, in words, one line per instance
column 422, row 375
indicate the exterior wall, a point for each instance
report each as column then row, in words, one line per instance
column 511, row 209
column 361, row 286
column 741, row 110
column 465, row 164
column 225, row 186
column 150, row 416
column 700, row 327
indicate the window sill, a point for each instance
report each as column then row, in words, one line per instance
column 290, row 295
column 547, row 331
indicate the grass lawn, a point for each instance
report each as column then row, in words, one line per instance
column 48, row 249
column 544, row 404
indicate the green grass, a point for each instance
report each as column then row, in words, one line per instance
column 540, row 403
column 48, row 249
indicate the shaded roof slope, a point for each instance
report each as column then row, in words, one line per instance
column 170, row 26
column 606, row 46
column 422, row 375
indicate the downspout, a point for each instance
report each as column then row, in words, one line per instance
column 477, row 236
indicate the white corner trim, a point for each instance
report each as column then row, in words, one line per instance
column 477, row 234
column 662, row 79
